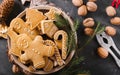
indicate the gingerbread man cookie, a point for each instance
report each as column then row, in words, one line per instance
column 61, row 43
column 21, row 27
column 48, row 28
column 23, row 41
column 16, row 44
column 48, row 64
column 34, row 18
column 36, row 51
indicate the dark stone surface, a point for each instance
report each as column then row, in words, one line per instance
column 93, row 62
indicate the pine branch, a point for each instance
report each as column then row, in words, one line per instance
column 77, row 60
column 99, row 29
column 60, row 21
column 72, row 41
column 68, row 70
column 76, row 24
column 63, row 23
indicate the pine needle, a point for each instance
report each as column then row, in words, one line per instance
column 72, row 41
column 63, row 23
column 76, row 24
column 76, row 61
column 70, row 69
column 99, row 29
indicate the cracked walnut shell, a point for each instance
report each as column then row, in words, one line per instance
column 88, row 22
column 110, row 11
column 115, row 21
column 77, row 2
column 82, row 11
column 89, row 31
column 110, row 31
column 91, row 6
column 102, row 52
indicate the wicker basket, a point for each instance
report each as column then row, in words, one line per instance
column 55, row 69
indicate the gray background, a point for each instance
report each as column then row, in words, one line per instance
column 92, row 62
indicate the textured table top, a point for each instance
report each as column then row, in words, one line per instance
column 92, row 62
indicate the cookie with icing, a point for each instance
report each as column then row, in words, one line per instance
column 16, row 44
column 51, row 14
column 61, row 43
column 48, row 64
column 48, row 28
column 34, row 17
column 21, row 27
column 58, row 58
column 36, row 52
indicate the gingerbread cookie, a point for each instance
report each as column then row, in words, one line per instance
column 48, row 28
column 56, row 62
column 57, row 53
column 3, row 30
column 51, row 14
column 15, row 44
column 13, row 48
column 23, row 41
column 34, row 18
column 48, row 64
column 21, row 27
column 61, row 43
column 58, row 43
column 31, row 69
column 36, row 51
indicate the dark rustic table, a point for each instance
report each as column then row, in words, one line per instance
column 92, row 62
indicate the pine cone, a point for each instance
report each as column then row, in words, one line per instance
column 5, row 8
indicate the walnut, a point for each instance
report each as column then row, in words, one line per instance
column 102, row 52
column 115, row 21
column 110, row 11
column 91, row 6
column 82, row 11
column 89, row 31
column 77, row 2
column 88, row 22
column 110, row 30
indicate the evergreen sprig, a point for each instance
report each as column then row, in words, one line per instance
column 98, row 29
column 76, row 24
column 72, row 41
column 70, row 69
column 63, row 23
